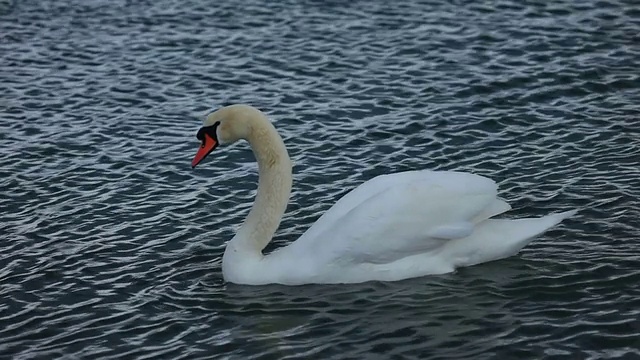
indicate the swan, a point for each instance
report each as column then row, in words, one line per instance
column 392, row 227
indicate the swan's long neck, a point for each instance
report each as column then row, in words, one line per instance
column 274, row 188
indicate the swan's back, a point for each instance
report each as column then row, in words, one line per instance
column 400, row 198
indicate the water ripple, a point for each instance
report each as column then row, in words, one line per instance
column 112, row 245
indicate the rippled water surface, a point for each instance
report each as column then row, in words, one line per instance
column 111, row 245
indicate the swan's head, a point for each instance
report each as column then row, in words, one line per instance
column 224, row 126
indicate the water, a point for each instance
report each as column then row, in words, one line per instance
column 111, row 245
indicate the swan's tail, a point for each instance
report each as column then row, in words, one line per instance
column 495, row 239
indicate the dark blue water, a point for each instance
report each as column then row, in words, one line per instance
column 110, row 244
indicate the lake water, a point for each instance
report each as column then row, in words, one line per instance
column 111, row 245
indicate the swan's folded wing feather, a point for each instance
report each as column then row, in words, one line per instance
column 397, row 221
column 455, row 182
column 454, row 230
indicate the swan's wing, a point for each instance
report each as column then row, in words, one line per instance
column 363, row 192
column 408, row 214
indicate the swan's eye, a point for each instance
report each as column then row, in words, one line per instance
column 211, row 130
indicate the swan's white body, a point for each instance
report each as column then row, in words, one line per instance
column 392, row 227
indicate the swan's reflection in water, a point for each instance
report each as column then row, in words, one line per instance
column 465, row 312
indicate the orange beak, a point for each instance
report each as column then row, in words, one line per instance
column 208, row 145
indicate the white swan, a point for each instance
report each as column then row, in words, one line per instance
column 389, row 228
